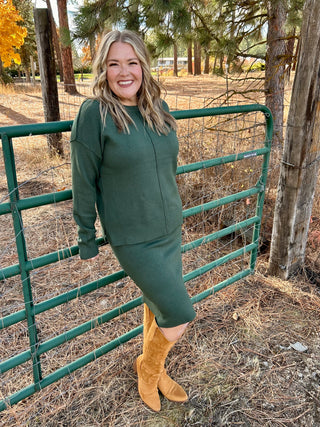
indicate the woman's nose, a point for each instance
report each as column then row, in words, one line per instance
column 124, row 69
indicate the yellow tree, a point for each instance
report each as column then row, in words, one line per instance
column 12, row 35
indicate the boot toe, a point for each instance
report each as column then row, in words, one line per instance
column 170, row 389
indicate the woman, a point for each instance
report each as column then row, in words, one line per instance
column 124, row 158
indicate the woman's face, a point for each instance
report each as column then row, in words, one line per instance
column 124, row 72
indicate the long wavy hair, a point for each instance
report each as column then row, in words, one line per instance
column 149, row 101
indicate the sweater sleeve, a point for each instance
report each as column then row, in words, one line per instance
column 165, row 106
column 85, row 163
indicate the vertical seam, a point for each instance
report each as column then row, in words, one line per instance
column 159, row 183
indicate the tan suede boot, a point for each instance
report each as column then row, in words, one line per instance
column 148, row 318
column 150, row 365
column 168, row 387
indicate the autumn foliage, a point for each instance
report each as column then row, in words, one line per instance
column 86, row 55
column 12, row 35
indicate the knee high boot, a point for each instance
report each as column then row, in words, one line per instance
column 168, row 387
column 150, row 365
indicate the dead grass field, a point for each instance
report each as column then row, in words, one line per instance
column 251, row 357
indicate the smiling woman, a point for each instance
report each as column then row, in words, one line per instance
column 124, row 73
column 148, row 94
column 124, row 152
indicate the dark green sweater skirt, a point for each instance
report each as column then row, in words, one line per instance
column 130, row 180
column 156, row 268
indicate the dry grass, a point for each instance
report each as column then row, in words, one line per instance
column 237, row 372
column 236, row 359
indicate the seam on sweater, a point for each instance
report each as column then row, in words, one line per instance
column 159, row 183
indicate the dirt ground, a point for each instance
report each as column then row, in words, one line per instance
column 251, row 358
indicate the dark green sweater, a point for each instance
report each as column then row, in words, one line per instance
column 130, row 179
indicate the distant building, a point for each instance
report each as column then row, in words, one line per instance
column 168, row 62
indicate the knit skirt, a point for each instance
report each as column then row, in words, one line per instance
column 156, row 268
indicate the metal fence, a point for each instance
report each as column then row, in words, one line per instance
column 16, row 205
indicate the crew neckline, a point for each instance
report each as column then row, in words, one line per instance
column 131, row 107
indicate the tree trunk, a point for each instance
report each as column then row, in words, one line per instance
column 32, row 65
column 214, row 64
column 197, row 58
column 175, row 60
column 27, row 73
column 206, row 64
column 300, row 165
column 190, row 68
column 48, row 76
column 290, row 55
column 1, row 73
column 66, row 53
column 275, row 64
column 92, row 47
column 55, row 40
column 221, row 60
column 294, row 65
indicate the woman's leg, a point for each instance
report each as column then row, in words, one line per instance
column 173, row 334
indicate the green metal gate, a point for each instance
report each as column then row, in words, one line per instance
column 25, row 265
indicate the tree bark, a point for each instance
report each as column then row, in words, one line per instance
column 300, row 165
column 92, row 47
column 190, row 68
column 55, row 40
column 1, row 73
column 290, row 54
column 275, row 66
column 48, row 76
column 197, row 58
column 294, row 65
column 175, row 60
column 27, row 73
column 206, row 64
column 66, row 53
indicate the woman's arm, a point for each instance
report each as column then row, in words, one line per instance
column 85, row 160
column 85, row 173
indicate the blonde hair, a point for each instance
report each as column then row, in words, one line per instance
column 149, row 101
